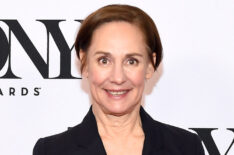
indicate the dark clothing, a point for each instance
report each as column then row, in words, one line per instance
column 84, row 139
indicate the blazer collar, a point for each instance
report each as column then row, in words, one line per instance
column 153, row 139
column 86, row 135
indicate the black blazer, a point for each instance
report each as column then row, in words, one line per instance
column 83, row 139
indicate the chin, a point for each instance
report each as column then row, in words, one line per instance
column 118, row 109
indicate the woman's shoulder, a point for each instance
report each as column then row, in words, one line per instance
column 72, row 141
column 174, row 132
column 174, row 140
column 55, row 143
column 179, row 139
column 166, row 130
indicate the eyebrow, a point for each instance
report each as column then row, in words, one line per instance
column 134, row 54
column 102, row 52
column 127, row 55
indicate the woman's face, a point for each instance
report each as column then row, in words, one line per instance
column 117, row 66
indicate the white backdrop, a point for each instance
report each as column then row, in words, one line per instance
column 193, row 88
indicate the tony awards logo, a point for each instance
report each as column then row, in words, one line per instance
column 42, row 66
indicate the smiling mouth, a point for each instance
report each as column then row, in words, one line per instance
column 117, row 93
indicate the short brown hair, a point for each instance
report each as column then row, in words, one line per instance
column 125, row 13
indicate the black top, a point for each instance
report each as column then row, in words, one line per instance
column 84, row 139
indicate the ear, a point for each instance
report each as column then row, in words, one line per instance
column 150, row 68
column 83, row 60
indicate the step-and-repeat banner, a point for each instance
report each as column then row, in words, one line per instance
column 42, row 93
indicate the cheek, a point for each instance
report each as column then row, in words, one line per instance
column 97, row 76
column 137, row 77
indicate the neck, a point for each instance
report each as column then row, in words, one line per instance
column 118, row 126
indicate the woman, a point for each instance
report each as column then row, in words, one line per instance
column 119, row 48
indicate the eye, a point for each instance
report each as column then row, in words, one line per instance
column 132, row 61
column 103, row 60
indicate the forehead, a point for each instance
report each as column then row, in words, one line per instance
column 118, row 36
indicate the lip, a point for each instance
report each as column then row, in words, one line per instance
column 117, row 93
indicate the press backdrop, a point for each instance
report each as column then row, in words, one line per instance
column 41, row 92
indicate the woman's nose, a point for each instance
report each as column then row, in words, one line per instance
column 118, row 75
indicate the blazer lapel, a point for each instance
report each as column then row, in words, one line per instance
column 153, row 138
column 155, row 143
column 86, row 137
column 87, row 141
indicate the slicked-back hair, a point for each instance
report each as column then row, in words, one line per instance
column 125, row 13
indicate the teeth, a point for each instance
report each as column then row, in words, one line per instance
column 115, row 93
